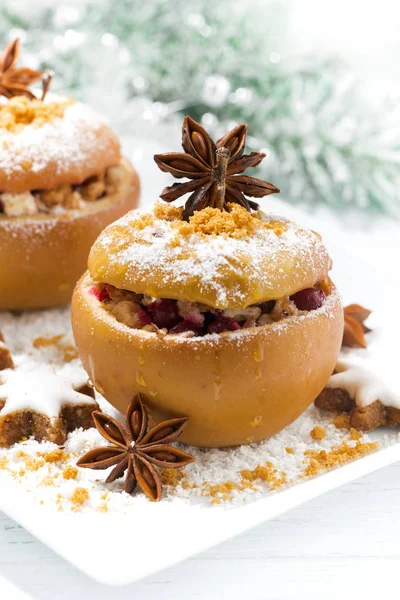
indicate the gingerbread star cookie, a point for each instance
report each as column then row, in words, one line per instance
column 40, row 403
column 6, row 362
column 355, row 390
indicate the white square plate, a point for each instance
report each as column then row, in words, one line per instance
column 122, row 548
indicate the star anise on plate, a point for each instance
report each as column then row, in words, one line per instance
column 136, row 450
column 213, row 170
column 354, row 328
column 16, row 81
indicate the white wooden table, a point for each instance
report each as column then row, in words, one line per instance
column 342, row 545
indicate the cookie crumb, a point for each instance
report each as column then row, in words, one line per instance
column 70, row 472
column 80, row 496
column 342, row 421
column 318, row 433
column 54, row 456
column 172, row 477
column 48, row 480
column 168, row 212
column 289, row 450
column 70, row 353
column 354, row 434
column 3, row 462
column 219, row 491
column 44, row 342
column 103, row 507
column 267, row 473
column 236, row 222
column 321, row 460
column 31, row 464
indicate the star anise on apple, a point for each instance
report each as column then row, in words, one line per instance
column 354, row 328
column 15, row 81
column 137, row 450
column 213, row 170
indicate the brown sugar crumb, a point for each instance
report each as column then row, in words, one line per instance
column 44, row 342
column 342, row 421
column 55, row 456
column 267, row 473
column 145, row 220
column 354, row 434
column 188, row 485
column 3, row 462
column 236, row 222
column 250, row 478
column 59, row 502
column 48, row 480
column 20, row 111
column 68, row 351
column 167, row 212
column 318, row 433
column 321, row 460
column 70, row 473
column 289, row 450
column 172, row 477
column 31, row 463
column 219, row 491
column 277, row 226
column 80, row 496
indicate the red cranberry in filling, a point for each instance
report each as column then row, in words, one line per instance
column 144, row 317
column 164, row 313
column 309, row 299
column 221, row 324
column 184, row 326
column 101, row 294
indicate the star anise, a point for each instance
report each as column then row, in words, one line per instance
column 16, row 81
column 354, row 328
column 213, row 169
column 136, row 450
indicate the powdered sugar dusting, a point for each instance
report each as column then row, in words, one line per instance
column 233, row 272
column 65, row 141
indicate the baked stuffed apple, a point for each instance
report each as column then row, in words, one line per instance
column 62, row 180
column 216, row 310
